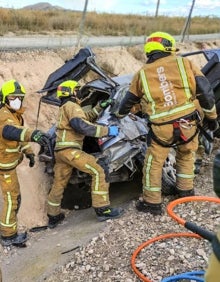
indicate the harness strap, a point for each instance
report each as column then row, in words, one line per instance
column 178, row 137
column 175, row 142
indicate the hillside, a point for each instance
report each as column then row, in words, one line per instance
column 43, row 6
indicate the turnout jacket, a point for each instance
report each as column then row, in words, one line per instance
column 11, row 152
column 169, row 87
column 74, row 124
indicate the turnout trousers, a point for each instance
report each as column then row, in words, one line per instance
column 11, row 202
column 68, row 159
column 155, row 158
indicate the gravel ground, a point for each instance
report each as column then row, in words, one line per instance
column 107, row 257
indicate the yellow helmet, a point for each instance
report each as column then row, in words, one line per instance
column 160, row 41
column 66, row 88
column 11, row 88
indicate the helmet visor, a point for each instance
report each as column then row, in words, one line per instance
column 163, row 41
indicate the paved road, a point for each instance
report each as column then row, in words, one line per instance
column 53, row 42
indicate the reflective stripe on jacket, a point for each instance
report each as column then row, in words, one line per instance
column 168, row 88
column 11, row 152
column 66, row 136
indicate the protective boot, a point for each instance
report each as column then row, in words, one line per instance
column 185, row 193
column 105, row 213
column 55, row 220
column 155, row 209
column 17, row 240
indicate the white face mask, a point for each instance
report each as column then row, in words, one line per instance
column 15, row 104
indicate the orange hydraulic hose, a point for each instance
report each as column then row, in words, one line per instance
column 174, row 203
column 148, row 242
column 201, row 233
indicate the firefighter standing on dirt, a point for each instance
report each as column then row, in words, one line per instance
column 13, row 147
column 72, row 126
column 170, row 89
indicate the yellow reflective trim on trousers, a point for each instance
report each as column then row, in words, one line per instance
column 98, row 130
column 66, row 143
column 184, row 77
column 186, row 176
column 8, row 225
column 53, row 204
column 152, row 189
column 147, row 91
column 8, row 165
column 147, row 172
column 8, row 213
column 23, row 134
column 96, row 188
column 100, row 192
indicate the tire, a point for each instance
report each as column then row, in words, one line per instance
column 168, row 186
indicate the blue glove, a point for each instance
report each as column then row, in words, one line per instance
column 113, row 130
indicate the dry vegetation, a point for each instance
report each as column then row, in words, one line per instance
column 34, row 21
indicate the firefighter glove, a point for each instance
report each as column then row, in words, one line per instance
column 210, row 124
column 113, row 130
column 105, row 103
column 31, row 159
column 40, row 137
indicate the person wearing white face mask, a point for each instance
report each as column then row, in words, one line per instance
column 15, row 103
column 14, row 138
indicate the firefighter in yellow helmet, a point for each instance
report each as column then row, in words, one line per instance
column 72, row 126
column 167, row 87
column 13, row 147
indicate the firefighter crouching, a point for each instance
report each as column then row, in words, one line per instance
column 13, row 147
column 72, row 126
column 167, row 87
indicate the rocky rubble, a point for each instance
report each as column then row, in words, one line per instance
column 107, row 257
